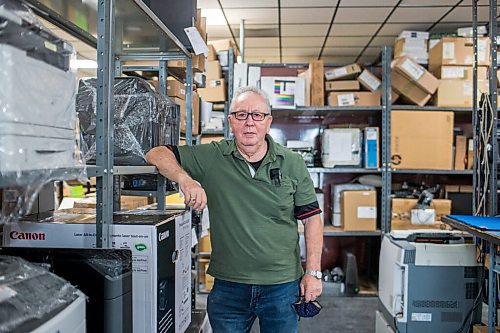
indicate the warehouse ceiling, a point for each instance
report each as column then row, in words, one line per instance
column 337, row 31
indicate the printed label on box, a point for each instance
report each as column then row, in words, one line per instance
column 370, row 80
column 481, row 50
column 415, row 316
column 345, row 100
column 448, row 50
column 412, row 69
column 371, row 134
column 453, row 73
column 335, row 73
column 367, row 212
column 468, row 88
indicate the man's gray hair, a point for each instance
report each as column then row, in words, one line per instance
column 254, row 90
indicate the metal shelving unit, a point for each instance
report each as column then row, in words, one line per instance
column 431, row 172
column 105, row 27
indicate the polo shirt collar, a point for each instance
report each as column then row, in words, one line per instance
column 273, row 150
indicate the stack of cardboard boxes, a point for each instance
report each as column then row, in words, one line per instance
column 214, row 95
column 451, row 60
column 343, row 85
column 412, row 81
column 412, row 44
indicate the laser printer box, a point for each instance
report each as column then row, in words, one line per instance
column 161, row 257
column 422, row 140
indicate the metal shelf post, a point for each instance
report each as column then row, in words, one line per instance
column 104, row 127
column 386, row 139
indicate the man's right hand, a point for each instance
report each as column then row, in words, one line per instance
column 194, row 194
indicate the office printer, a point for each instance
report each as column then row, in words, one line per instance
column 37, row 122
column 34, row 300
column 428, row 282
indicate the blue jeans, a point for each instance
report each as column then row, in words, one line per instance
column 232, row 307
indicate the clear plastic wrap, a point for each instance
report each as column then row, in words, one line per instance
column 38, row 133
column 143, row 119
column 29, row 292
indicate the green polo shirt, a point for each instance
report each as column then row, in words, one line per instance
column 252, row 225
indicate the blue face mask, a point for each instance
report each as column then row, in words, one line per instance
column 307, row 309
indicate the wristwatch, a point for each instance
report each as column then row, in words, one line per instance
column 317, row 274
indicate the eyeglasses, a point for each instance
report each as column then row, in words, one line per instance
column 256, row 116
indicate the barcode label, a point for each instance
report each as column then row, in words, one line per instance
column 448, row 50
column 336, row 73
column 421, row 317
column 370, row 80
column 367, row 212
column 453, row 73
column 346, row 100
column 481, row 50
column 414, row 70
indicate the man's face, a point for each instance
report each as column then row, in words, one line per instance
column 250, row 132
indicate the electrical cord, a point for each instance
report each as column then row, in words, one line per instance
column 395, row 321
column 477, row 301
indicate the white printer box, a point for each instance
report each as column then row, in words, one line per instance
column 161, row 258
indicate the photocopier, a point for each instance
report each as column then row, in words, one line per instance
column 429, row 281
column 37, row 108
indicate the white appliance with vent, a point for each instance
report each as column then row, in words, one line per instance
column 428, row 282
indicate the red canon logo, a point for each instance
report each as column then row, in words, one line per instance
column 27, row 235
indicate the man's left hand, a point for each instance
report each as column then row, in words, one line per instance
column 310, row 287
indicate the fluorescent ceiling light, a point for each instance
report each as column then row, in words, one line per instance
column 83, row 63
column 214, row 16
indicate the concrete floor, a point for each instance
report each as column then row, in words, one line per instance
column 339, row 315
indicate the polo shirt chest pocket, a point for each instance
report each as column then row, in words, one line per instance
column 284, row 198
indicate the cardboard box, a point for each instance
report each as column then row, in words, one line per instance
column 371, row 144
column 176, row 89
column 414, row 34
column 314, row 84
column 422, row 140
column 211, row 138
column 459, row 51
column 205, row 245
column 343, row 73
column 458, row 93
column 350, row 85
column 483, row 329
column 213, row 70
column 212, row 54
column 253, row 76
column 222, row 45
column 460, row 152
column 354, row 98
column 414, row 48
column 359, row 210
column 401, row 212
column 197, row 60
column 284, row 92
column 151, row 239
column 240, row 76
column 470, row 154
column 417, row 74
column 460, row 72
column 195, row 113
column 373, row 83
column 132, row 202
column 409, row 90
column 215, row 91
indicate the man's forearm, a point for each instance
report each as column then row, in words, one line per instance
column 313, row 233
column 164, row 159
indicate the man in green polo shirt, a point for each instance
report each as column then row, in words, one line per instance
column 256, row 190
